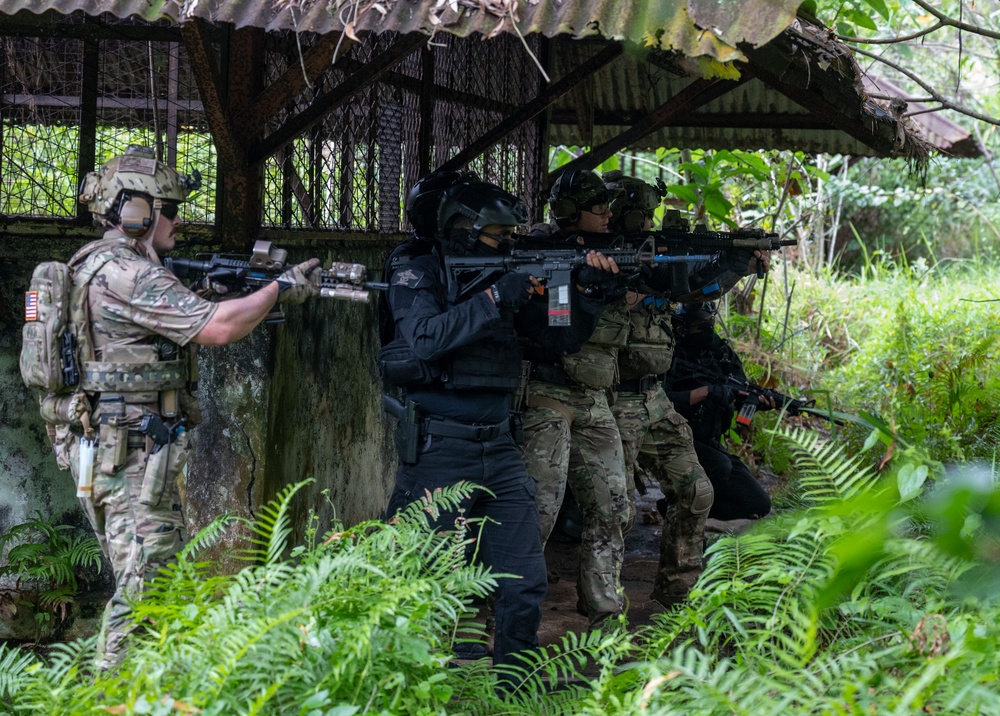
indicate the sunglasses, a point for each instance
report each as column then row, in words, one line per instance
column 169, row 209
column 599, row 208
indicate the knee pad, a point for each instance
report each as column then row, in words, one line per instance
column 699, row 497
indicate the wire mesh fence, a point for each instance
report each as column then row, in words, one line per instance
column 68, row 104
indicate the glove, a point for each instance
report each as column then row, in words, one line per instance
column 596, row 282
column 209, row 289
column 721, row 394
column 295, row 285
column 513, row 289
column 738, row 261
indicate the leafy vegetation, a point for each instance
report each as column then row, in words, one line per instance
column 872, row 596
column 44, row 560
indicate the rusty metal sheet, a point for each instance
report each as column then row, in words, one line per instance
column 693, row 27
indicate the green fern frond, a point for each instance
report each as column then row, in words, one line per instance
column 273, row 526
column 826, row 474
column 14, row 663
column 209, row 535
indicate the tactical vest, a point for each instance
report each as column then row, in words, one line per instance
column 494, row 364
column 596, row 364
column 152, row 373
column 650, row 348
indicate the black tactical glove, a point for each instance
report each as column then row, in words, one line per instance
column 602, row 284
column 738, row 261
column 513, row 289
column 295, row 285
column 721, row 394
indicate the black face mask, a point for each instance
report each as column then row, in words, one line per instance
column 483, row 249
column 460, row 242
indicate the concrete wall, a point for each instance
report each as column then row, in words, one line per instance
column 289, row 402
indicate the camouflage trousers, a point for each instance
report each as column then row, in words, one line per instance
column 137, row 539
column 658, row 438
column 571, row 437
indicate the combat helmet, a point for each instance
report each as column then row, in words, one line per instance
column 636, row 201
column 128, row 188
column 482, row 204
column 424, row 198
column 575, row 191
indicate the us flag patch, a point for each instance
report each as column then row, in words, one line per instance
column 31, row 305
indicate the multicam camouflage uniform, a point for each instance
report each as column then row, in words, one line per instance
column 659, row 438
column 139, row 315
column 571, row 434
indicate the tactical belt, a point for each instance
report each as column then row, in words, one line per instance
column 464, row 431
column 99, row 377
column 549, row 373
column 639, row 385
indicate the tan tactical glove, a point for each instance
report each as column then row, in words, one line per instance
column 295, row 285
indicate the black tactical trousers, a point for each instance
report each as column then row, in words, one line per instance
column 738, row 495
column 510, row 539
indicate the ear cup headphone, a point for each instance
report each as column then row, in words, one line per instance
column 565, row 209
column 632, row 220
column 135, row 214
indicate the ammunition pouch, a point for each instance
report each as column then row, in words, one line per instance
column 650, row 347
column 113, row 435
column 593, row 366
column 399, row 366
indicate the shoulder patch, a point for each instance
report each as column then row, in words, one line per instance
column 407, row 277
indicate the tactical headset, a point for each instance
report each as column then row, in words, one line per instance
column 135, row 213
column 565, row 208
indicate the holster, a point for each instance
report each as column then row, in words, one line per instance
column 408, row 434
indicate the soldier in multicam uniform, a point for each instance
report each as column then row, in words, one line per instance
column 137, row 363
column 570, row 433
column 653, row 433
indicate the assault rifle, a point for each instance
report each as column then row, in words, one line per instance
column 754, row 393
column 792, row 406
column 240, row 275
column 676, row 238
column 553, row 267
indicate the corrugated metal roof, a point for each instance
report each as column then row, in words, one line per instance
column 677, row 23
column 754, row 114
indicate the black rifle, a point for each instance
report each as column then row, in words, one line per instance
column 241, row 276
column 676, row 238
column 754, row 393
column 553, row 267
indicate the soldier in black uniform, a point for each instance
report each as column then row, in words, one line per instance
column 695, row 385
column 458, row 361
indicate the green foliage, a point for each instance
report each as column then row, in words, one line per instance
column 864, row 600
column 45, row 559
column 854, row 604
column 951, row 213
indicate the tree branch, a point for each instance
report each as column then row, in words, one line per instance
column 891, row 40
column 945, row 102
column 945, row 20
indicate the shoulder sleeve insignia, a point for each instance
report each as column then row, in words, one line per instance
column 407, row 277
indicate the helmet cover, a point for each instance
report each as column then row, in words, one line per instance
column 137, row 171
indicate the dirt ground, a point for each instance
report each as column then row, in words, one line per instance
column 642, row 552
